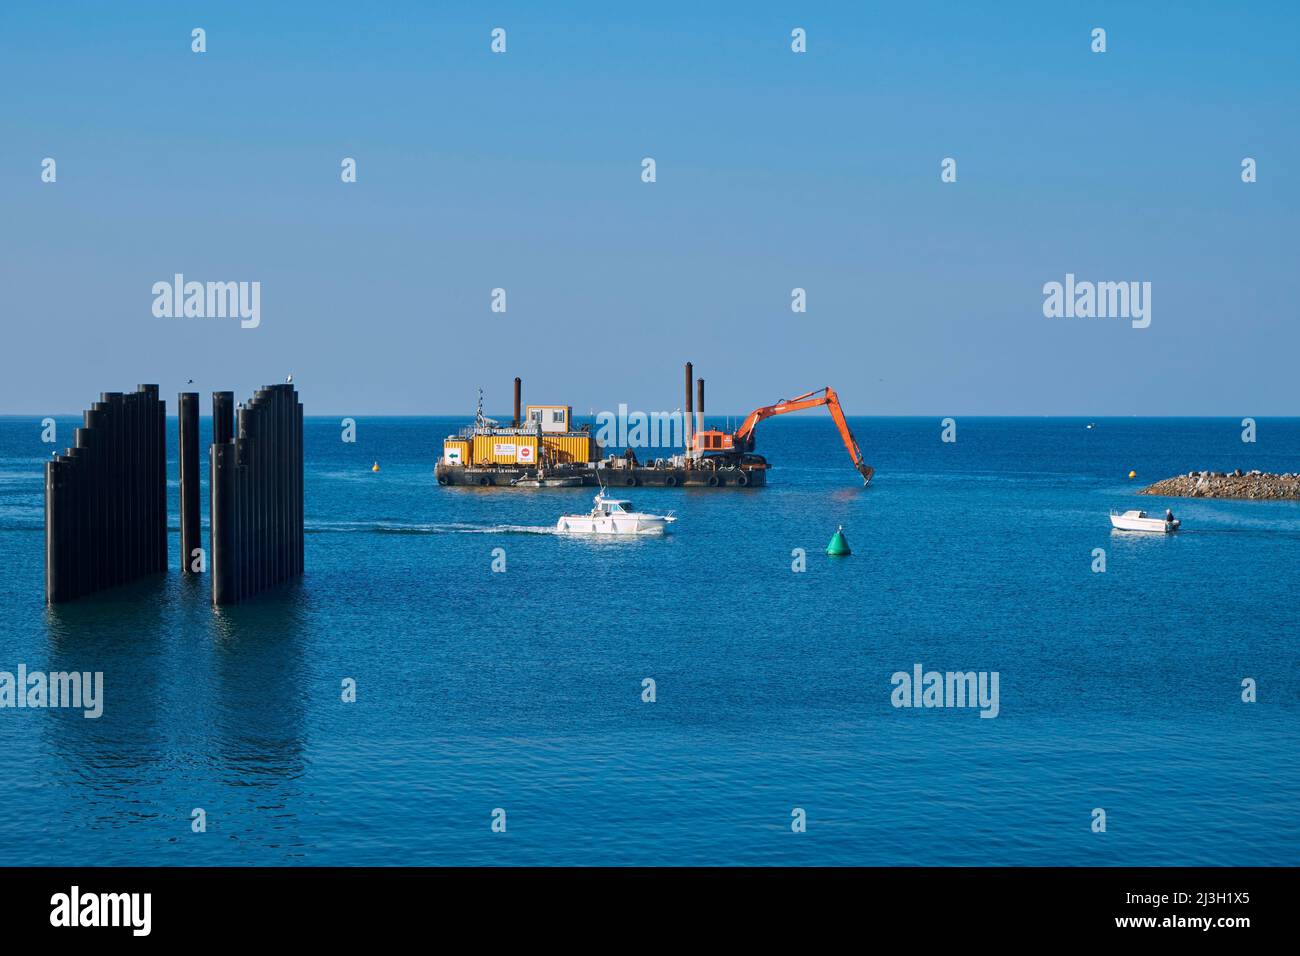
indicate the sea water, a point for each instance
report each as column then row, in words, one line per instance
column 524, row 690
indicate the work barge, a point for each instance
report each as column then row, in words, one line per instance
column 543, row 447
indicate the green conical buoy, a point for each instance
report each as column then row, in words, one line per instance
column 839, row 546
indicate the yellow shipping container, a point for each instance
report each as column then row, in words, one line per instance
column 505, row 450
column 569, row 448
column 455, row 451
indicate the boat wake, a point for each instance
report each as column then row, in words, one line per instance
column 393, row 527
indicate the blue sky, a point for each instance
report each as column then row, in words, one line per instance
column 775, row 171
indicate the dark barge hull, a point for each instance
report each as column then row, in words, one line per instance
column 501, row 476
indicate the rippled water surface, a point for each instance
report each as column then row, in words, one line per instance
column 522, row 690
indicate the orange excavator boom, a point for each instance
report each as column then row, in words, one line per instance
column 821, row 396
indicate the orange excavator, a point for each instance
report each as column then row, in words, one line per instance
column 735, row 447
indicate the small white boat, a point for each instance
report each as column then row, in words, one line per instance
column 1140, row 521
column 566, row 481
column 614, row 516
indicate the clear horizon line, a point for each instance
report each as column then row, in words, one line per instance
column 806, row 413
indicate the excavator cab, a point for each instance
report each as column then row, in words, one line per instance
column 705, row 443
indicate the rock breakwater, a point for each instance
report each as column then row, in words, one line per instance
column 1227, row 484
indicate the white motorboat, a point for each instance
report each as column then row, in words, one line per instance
column 1140, row 521
column 542, row 478
column 614, row 516
column 565, row 481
